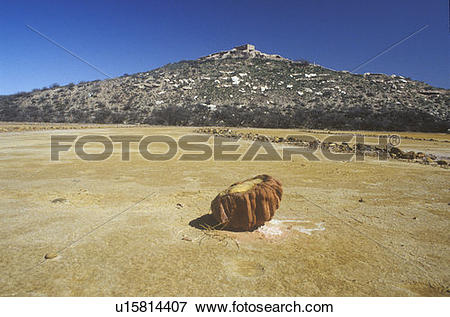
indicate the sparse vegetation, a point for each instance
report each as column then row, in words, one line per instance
column 241, row 91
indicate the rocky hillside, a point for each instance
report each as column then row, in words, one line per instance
column 241, row 87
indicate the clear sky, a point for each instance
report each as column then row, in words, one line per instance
column 134, row 36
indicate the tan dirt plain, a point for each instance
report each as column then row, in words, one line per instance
column 324, row 241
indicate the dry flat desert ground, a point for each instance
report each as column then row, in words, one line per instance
column 372, row 228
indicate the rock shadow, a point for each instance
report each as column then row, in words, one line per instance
column 205, row 222
column 208, row 221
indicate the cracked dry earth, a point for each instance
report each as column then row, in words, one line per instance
column 343, row 229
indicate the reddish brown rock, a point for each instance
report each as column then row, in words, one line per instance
column 246, row 205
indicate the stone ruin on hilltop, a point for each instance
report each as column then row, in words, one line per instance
column 242, row 51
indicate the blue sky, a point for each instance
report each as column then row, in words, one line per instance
column 134, row 36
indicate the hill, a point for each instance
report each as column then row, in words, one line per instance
column 241, row 87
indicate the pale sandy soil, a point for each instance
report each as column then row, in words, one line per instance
column 323, row 242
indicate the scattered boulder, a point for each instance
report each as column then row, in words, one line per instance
column 50, row 255
column 395, row 152
column 420, row 155
column 409, row 155
column 344, row 147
